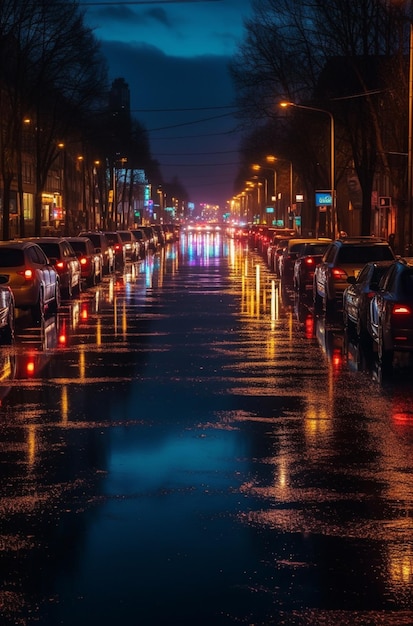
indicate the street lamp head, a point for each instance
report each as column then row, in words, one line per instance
column 285, row 104
column 256, row 167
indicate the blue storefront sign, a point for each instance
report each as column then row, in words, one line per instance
column 323, row 198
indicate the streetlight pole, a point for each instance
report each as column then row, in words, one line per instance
column 271, row 159
column 332, row 155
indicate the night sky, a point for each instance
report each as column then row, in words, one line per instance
column 174, row 56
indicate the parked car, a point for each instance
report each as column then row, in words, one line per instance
column 102, row 247
column 152, row 237
column 309, row 257
column 7, row 314
column 158, row 228
column 292, row 250
column 62, row 256
column 357, row 296
column 343, row 258
column 130, row 244
column 274, row 250
column 391, row 311
column 115, row 241
column 35, row 283
column 91, row 262
column 142, row 242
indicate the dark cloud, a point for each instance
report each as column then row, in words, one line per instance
column 188, row 143
column 116, row 15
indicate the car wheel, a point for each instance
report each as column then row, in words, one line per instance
column 55, row 305
column 317, row 301
column 37, row 310
column 92, row 280
column 385, row 356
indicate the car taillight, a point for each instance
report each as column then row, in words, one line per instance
column 400, row 309
column 60, row 265
column 339, row 274
column 83, row 260
column 28, row 274
column 117, row 246
column 309, row 261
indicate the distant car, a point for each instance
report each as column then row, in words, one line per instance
column 115, row 241
column 158, row 228
column 62, row 256
column 343, row 258
column 391, row 311
column 34, row 282
column 103, row 247
column 275, row 248
column 130, row 244
column 292, row 250
column 310, row 255
column 357, row 296
column 91, row 262
column 152, row 237
column 7, row 314
column 142, row 242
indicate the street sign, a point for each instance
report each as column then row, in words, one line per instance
column 385, row 202
column 323, row 198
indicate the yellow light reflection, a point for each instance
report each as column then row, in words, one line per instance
column 98, row 332
column 82, row 363
column 31, row 445
column 64, row 404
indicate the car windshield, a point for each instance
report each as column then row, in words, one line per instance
column 315, row 248
column 125, row 236
column 363, row 254
column 51, row 250
column 78, row 246
column 111, row 238
column 95, row 239
column 296, row 247
column 11, row 257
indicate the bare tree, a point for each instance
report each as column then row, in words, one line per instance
column 331, row 55
column 54, row 74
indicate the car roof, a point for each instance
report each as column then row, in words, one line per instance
column 17, row 243
column 46, row 239
column 80, row 238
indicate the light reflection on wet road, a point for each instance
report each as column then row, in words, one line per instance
column 187, row 445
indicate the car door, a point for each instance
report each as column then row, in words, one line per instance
column 378, row 302
column 44, row 271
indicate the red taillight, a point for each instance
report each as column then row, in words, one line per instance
column 339, row 274
column 117, row 246
column 400, row 309
column 309, row 261
column 27, row 274
column 83, row 260
column 60, row 265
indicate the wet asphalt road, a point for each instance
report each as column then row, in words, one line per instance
column 188, row 445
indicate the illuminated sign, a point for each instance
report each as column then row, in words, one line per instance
column 323, row 198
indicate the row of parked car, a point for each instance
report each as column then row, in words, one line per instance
column 35, row 273
column 358, row 277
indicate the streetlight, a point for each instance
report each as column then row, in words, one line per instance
column 261, row 204
column 332, row 152
column 257, row 168
column 270, row 158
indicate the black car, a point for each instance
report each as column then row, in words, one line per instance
column 357, row 296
